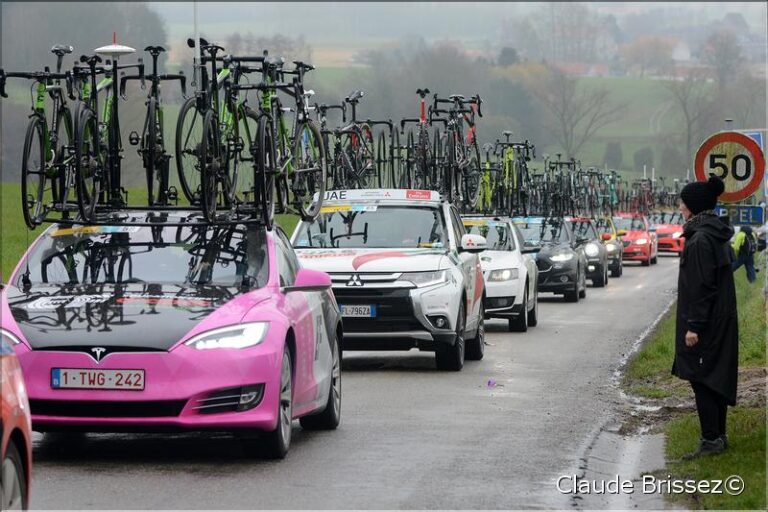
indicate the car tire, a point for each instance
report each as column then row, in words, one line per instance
column 451, row 357
column 646, row 263
column 275, row 444
column 601, row 280
column 533, row 314
column 654, row 260
column 330, row 417
column 520, row 322
column 618, row 271
column 475, row 349
column 583, row 292
column 13, row 480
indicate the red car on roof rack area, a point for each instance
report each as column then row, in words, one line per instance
column 669, row 230
column 640, row 242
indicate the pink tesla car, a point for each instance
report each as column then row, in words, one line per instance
column 164, row 324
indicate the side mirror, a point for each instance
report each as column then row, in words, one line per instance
column 621, row 232
column 473, row 244
column 606, row 236
column 308, row 280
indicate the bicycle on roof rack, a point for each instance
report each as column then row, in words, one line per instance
column 152, row 147
column 460, row 158
column 47, row 170
column 513, row 187
column 291, row 161
column 98, row 144
column 420, row 149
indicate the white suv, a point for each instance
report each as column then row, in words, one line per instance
column 405, row 272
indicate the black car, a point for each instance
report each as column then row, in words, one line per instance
column 597, row 254
column 561, row 259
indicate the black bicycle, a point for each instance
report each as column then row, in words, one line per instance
column 151, row 144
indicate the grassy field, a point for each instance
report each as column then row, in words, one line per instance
column 648, row 375
column 15, row 237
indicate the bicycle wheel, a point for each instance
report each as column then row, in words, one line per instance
column 211, row 163
column 408, row 178
column 396, row 155
column 64, row 178
column 150, row 150
column 435, row 181
column 90, row 158
column 189, row 133
column 265, row 169
column 382, row 159
column 309, row 170
column 471, row 177
column 33, row 169
column 247, row 188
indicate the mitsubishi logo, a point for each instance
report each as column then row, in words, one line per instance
column 355, row 280
column 98, row 352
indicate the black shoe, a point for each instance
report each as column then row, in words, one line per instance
column 707, row 447
column 724, row 437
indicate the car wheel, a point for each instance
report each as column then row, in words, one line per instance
column 520, row 322
column 451, row 357
column 583, row 292
column 476, row 346
column 277, row 442
column 654, row 260
column 618, row 271
column 533, row 314
column 646, row 263
column 601, row 280
column 13, row 481
column 330, row 417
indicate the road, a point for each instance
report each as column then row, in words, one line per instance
column 411, row 437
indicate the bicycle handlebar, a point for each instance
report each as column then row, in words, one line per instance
column 39, row 76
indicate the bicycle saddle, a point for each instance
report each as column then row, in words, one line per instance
column 191, row 42
column 154, row 50
column 457, row 96
column 507, row 133
column 309, row 93
column 61, row 49
column 422, row 92
column 276, row 62
column 91, row 61
column 354, row 96
column 306, row 67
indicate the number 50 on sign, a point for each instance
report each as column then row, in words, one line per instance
column 736, row 159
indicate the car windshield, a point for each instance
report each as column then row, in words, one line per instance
column 666, row 218
column 193, row 255
column 603, row 226
column 374, row 226
column 497, row 234
column 629, row 224
column 542, row 231
column 583, row 229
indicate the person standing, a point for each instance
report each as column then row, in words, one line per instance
column 745, row 247
column 707, row 334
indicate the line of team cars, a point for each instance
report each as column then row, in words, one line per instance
column 166, row 323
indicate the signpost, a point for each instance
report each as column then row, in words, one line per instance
column 742, row 215
column 736, row 159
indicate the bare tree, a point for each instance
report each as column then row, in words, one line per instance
column 746, row 100
column 694, row 100
column 723, row 52
column 649, row 53
column 577, row 113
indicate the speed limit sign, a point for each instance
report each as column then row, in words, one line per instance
column 736, row 159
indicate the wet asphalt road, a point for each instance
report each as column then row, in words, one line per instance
column 411, row 437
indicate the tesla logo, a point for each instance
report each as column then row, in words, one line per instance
column 355, row 280
column 98, row 352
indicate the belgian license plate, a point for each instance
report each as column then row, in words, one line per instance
column 88, row 378
column 358, row 311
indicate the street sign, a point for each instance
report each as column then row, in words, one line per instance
column 741, row 215
column 758, row 136
column 736, row 159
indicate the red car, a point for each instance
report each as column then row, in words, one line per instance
column 669, row 230
column 15, row 428
column 640, row 242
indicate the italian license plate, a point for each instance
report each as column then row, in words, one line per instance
column 88, row 378
column 358, row 311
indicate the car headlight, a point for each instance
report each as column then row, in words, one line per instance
column 503, row 274
column 236, row 336
column 592, row 250
column 677, row 234
column 562, row 256
column 611, row 247
column 641, row 241
column 423, row 279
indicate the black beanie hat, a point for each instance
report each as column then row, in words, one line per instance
column 702, row 195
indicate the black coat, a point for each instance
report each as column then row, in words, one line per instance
column 706, row 305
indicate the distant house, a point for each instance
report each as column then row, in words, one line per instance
column 583, row 68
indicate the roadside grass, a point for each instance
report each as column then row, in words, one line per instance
column 745, row 458
column 15, row 237
column 648, row 375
